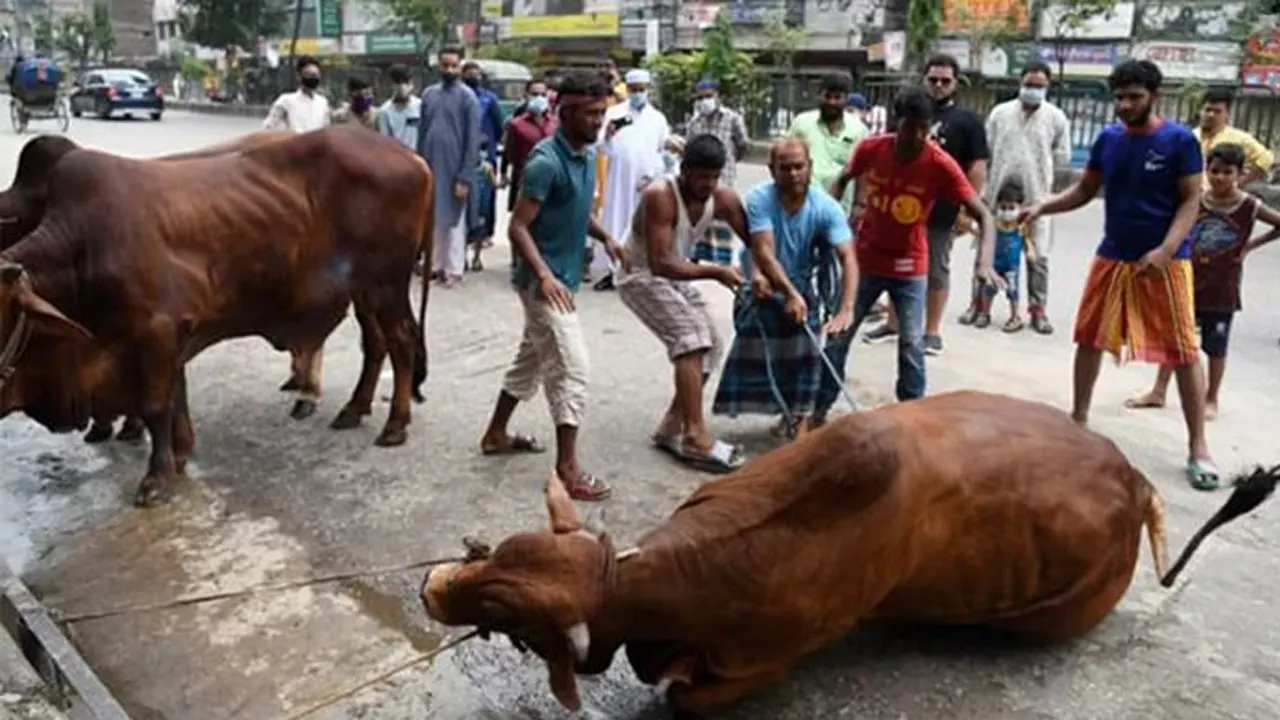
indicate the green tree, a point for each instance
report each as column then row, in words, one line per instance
column 509, row 50
column 428, row 20
column 220, row 23
column 676, row 74
column 74, row 37
column 784, row 42
column 1064, row 20
column 924, row 25
column 46, row 36
column 102, row 37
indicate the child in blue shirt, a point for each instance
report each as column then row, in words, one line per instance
column 1012, row 237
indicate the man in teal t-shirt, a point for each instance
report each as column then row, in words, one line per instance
column 548, row 232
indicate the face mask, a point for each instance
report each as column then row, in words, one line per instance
column 708, row 105
column 1007, row 215
column 537, row 104
column 449, row 78
column 360, row 103
column 311, row 83
column 472, row 82
column 638, row 99
column 403, row 91
column 1032, row 96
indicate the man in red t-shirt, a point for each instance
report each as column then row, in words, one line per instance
column 900, row 176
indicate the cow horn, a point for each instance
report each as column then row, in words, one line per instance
column 580, row 640
column 11, row 272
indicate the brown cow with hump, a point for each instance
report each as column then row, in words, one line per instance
column 22, row 207
column 964, row 508
column 106, row 300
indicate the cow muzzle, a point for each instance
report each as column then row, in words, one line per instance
column 435, row 588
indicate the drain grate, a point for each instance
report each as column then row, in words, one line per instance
column 67, row 677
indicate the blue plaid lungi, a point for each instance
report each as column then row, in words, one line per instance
column 480, row 207
column 765, row 338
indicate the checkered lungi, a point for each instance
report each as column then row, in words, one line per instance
column 766, row 339
column 676, row 312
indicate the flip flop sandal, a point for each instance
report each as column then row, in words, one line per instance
column 516, row 445
column 982, row 320
column 1041, row 324
column 588, row 488
column 968, row 316
column 1203, row 475
column 1013, row 325
column 669, row 445
column 723, row 458
column 783, row 429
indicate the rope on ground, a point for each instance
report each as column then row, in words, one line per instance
column 68, row 619
column 383, row 677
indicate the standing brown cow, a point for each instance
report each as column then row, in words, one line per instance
column 104, row 303
column 22, row 207
column 964, row 508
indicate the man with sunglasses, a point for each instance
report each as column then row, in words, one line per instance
column 962, row 133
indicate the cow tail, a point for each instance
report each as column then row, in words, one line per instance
column 424, row 249
column 1154, row 519
column 1251, row 489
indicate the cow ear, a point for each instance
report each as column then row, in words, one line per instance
column 48, row 319
column 560, row 508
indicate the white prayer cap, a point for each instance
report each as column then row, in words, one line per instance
column 638, row 76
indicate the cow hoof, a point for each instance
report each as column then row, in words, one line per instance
column 99, row 433
column 153, row 492
column 392, row 437
column 131, row 432
column 303, row 409
column 348, row 419
column 291, row 385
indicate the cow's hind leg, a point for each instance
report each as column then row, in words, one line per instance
column 184, row 435
column 395, row 320
column 297, row 373
column 308, row 368
column 133, row 429
column 374, row 348
column 158, row 414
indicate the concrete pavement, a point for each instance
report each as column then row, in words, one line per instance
column 275, row 586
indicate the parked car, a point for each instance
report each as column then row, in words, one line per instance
column 107, row 91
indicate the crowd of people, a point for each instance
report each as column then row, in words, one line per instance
column 862, row 205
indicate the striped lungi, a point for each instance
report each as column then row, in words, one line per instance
column 770, row 356
column 1139, row 317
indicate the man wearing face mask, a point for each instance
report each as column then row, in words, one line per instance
column 481, row 203
column 303, row 109
column 450, row 143
column 830, row 133
column 960, row 131
column 530, row 127
column 711, row 117
column 634, row 136
column 400, row 116
column 358, row 110
column 1028, row 137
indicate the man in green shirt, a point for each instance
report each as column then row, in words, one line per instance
column 831, row 134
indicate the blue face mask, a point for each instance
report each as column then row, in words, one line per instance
column 638, row 99
column 537, row 104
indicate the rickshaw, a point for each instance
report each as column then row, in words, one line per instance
column 35, row 95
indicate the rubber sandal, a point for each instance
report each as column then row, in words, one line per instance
column 669, row 445
column 1203, row 475
column 982, row 320
column 784, row 429
column 723, row 458
column 588, row 488
column 1142, row 403
column 968, row 316
column 516, row 445
column 1013, row 325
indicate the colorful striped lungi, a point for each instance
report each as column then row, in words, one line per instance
column 1139, row 317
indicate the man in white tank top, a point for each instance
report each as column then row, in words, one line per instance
column 673, row 214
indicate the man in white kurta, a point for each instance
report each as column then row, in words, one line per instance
column 1028, row 137
column 633, row 139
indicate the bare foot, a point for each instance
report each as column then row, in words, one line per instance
column 1210, row 410
column 1145, row 401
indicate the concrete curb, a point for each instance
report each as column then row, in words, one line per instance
column 757, row 150
column 22, row 693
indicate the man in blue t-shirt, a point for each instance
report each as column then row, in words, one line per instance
column 548, row 230
column 1138, row 300
column 774, row 365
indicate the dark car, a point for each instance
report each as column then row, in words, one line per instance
column 117, row 90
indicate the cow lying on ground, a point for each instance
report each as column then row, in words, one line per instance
column 964, row 508
column 22, row 208
column 105, row 301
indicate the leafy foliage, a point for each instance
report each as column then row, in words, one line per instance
column 46, row 36
column 102, row 37
column 924, row 24
column 676, row 74
column 1066, row 19
column 79, row 36
column 219, row 23
column 428, row 19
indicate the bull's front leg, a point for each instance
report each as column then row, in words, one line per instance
column 374, row 353
column 308, row 367
column 160, row 376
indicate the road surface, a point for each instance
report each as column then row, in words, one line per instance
column 210, row 607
